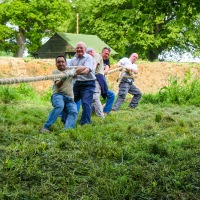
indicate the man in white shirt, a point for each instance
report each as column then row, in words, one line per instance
column 127, row 82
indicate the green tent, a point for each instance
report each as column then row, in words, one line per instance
column 65, row 43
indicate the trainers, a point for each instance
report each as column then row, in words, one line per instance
column 45, row 130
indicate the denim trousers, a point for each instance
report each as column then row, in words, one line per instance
column 84, row 90
column 109, row 101
column 63, row 103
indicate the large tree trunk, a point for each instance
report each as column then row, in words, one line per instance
column 20, row 42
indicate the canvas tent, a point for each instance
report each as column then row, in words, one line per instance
column 65, row 43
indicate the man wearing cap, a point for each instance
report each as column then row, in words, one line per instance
column 101, row 87
column 84, row 86
column 127, row 82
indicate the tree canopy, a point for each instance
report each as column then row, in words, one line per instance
column 25, row 22
column 146, row 26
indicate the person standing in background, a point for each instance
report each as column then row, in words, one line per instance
column 101, row 88
column 127, row 82
column 110, row 95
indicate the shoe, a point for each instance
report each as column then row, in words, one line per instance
column 130, row 108
column 45, row 130
column 105, row 113
column 63, row 121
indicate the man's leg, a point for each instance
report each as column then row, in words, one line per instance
column 78, row 105
column 123, row 90
column 71, row 113
column 96, row 103
column 87, row 91
column 58, row 104
column 109, row 101
column 137, row 96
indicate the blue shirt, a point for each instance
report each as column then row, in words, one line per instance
column 87, row 61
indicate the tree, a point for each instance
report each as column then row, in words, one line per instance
column 23, row 23
column 148, row 27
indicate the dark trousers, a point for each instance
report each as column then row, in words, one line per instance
column 124, row 89
column 84, row 90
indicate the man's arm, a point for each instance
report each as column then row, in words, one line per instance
column 131, row 71
column 106, row 69
column 59, row 82
column 81, row 70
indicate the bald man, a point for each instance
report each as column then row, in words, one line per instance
column 127, row 82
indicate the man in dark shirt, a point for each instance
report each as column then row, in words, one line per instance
column 110, row 95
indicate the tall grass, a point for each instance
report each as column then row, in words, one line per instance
column 151, row 152
column 185, row 91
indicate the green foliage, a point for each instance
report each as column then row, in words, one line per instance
column 47, row 95
column 148, row 27
column 30, row 21
column 185, row 91
column 8, row 94
column 6, row 54
column 148, row 153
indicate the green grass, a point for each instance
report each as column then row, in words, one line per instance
column 179, row 91
column 151, row 152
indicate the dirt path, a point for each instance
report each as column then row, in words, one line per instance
column 152, row 75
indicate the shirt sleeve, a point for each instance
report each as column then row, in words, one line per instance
column 123, row 61
column 54, row 73
column 97, row 58
column 89, row 63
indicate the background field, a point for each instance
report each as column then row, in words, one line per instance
column 151, row 78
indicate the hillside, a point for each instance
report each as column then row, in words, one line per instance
column 152, row 75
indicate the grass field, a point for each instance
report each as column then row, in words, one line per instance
column 152, row 152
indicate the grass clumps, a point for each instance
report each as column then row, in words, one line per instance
column 151, row 152
column 185, row 91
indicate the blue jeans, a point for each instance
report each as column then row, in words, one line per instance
column 78, row 104
column 63, row 103
column 109, row 101
column 84, row 90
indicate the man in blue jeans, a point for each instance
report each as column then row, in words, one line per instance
column 110, row 95
column 84, row 85
column 62, row 98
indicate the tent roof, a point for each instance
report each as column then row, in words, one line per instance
column 90, row 40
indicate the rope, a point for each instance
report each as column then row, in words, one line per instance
column 114, row 70
column 40, row 78
column 33, row 79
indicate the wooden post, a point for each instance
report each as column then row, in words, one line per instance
column 77, row 18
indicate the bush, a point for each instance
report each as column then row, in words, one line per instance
column 186, row 91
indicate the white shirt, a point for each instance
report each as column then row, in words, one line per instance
column 127, row 63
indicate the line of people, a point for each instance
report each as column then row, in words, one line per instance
column 86, row 84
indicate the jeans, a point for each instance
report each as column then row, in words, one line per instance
column 84, row 90
column 63, row 103
column 109, row 101
column 78, row 104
